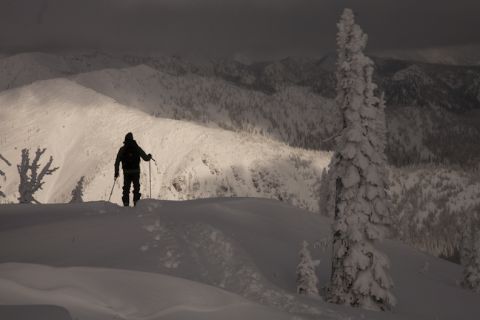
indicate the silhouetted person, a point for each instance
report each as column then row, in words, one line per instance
column 129, row 155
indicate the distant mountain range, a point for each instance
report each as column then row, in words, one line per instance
column 460, row 55
column 433, row 110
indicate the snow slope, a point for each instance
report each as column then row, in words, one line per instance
column 83, row 130
column 293, row 115
column 37, row 312
column 128, row 263
column 101, row 294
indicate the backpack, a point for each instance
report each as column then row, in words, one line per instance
column 130, row 156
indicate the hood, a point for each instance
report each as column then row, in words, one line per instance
column 128, row 137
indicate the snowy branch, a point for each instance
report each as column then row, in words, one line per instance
column 2, row 174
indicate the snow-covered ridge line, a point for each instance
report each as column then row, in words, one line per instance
column 467, row 55
column 265, row 97
column 294, row 115
column 83, row 130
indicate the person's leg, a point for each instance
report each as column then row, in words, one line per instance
column 136, row 188
column 127, row 181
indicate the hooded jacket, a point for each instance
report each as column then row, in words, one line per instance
column 129, row 155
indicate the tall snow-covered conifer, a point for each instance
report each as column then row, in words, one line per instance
column 358, row 169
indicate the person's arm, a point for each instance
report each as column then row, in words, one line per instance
column 117, row 162
column 145, row 157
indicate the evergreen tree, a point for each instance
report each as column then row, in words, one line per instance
column 358, row 169
column 77, row 193
column 306, row 278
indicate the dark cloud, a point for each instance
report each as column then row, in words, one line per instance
column 226, row 26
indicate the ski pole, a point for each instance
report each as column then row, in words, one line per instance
column 150, row 173
column 111, row 192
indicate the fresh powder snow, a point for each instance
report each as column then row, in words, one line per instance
column 202, row 259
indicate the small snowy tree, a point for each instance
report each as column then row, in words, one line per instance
column 31, row 179
column 306, row 279
column 77, row 193
column 470, row 256
column 358, row 169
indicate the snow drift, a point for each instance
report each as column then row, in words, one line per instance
column 100, row 294
column 110, row 261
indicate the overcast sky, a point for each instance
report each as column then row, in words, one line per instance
column 227, row 26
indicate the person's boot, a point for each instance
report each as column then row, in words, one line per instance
column 126, row 201
column 136, row 197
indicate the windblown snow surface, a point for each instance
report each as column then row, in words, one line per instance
column 200, row 259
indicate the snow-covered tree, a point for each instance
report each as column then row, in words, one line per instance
column 2, row 174
column 358, row 169
column 324, row 196
column 31, row 178
column 306, row 278
column 77, row 193
column 470, row 256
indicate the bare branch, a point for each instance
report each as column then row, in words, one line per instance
column 30, row 180
column 2, row 174
column 5, row 160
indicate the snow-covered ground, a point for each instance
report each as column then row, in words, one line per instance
column 99, row 294
column 201, row 259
